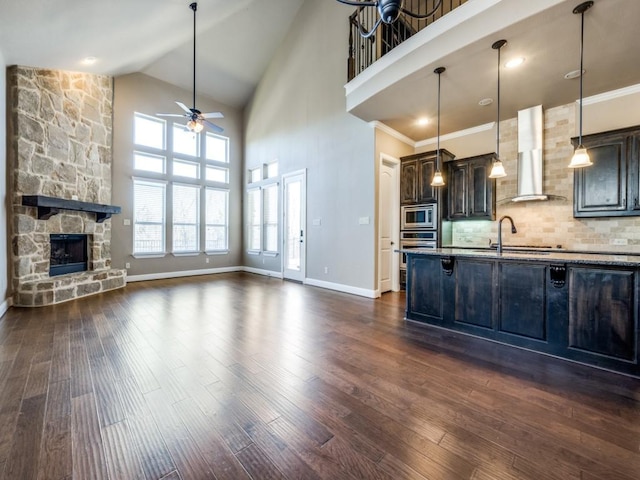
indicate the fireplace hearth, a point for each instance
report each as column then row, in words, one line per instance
column 68, row 254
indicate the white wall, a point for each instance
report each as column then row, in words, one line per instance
column 298, row 117
column 4, row 253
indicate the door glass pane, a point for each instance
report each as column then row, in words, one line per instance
column 293, row 225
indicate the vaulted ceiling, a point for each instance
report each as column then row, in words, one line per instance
column 235, row 39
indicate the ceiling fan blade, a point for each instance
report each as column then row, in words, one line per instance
column 184, row 107
column 213, row 126
column 171, row 115
column 212, row 115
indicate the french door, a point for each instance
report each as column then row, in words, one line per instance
column 294, row 225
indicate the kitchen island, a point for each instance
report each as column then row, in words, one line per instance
column 579, row 306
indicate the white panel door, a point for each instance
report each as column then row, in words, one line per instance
column 388, row 220
column 294, row 225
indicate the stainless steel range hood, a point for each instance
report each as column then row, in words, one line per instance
column 530, row 156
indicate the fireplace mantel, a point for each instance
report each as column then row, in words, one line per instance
column 49, row 206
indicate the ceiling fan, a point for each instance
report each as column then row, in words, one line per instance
column 389, row 11
column 197, row 119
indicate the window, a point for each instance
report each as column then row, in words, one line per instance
column 270, row 218
column 149, row 220
column 254, row 175
column 174, row 172
column 148, row 162
column 254, row 215
column 217, row 174
column 185, row 142
column 186, row 216
column 149, row 131
column 216, row 236
column 184, row 168
column 217, row 148
column 270, row 170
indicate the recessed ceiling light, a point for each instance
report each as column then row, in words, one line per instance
column 422, row 121
column 485, row 101
column 89, row 60
column 573, row 74
column 514, row 62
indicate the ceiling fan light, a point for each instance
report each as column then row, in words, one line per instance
column 497, row 170
column 195, row 126
column 580, row 158
column 437, row 181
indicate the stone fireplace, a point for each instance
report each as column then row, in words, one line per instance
column 59, row 148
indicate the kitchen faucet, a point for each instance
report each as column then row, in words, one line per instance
column 513, row 230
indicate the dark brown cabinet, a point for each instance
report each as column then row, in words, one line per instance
column 416, row 173
column 602, row 316
column 471, row 193
column 611, row 186
column 583, row 312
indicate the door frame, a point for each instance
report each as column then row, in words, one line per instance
column 394, row 202
column 303, row 221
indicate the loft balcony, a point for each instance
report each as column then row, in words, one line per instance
column 365, row 51
column 398, row 86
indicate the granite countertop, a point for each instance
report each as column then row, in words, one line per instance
column 533, row 255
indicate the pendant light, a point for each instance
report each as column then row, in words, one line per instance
column 497, row 169
column 580, row 156
column 438, row 181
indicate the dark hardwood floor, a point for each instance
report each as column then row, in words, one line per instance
column 238, row 376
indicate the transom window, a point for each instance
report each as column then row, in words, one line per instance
column 186, row 174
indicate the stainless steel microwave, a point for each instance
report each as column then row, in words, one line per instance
column 419, row 216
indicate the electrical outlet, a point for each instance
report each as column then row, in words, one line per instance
column 326, row 269
column 206, row 260
column 620, row 241
column 127, row 265
column 126, row 222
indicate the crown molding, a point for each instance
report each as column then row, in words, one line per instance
column 394, row 133
column 458, row 134
column 613, row 94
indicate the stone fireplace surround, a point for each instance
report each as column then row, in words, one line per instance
column 59, row 145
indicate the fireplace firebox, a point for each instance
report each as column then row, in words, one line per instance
column 68, row 254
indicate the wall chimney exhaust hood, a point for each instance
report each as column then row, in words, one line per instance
column 530, row 157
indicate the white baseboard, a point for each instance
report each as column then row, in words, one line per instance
column 258, row 271
column 363, row 292
column 206, row 271
column 4, row 306
column 183, row 273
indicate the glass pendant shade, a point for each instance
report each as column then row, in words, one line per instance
column 580, row 158
column 437, row 181
column 195, row 126
column 497, row 170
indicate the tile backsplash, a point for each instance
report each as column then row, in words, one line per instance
column 548, row 223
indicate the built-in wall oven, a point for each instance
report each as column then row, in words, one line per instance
column 411, row 239
column 419, row 216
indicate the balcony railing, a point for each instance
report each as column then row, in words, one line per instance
column 364, row 51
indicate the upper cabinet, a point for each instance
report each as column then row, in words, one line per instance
column 416, row 173
column 471, row 193
column 611, row 186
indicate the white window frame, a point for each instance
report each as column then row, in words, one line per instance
column 257, row 227
column 225, row 225
column 170, row 180
column 163, row 250
column 265, row 221
column 197, row 223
